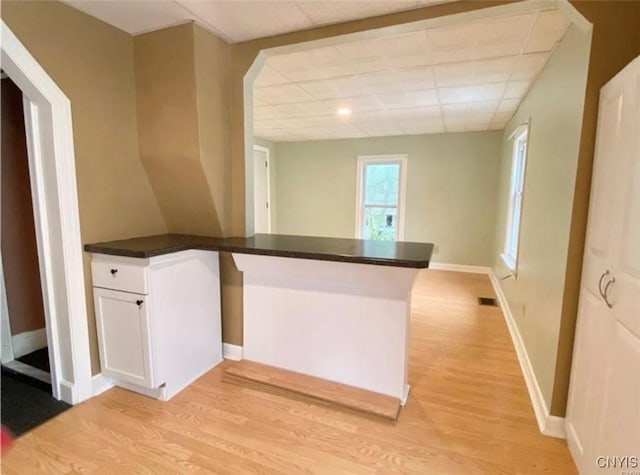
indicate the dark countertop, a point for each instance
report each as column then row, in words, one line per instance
column 385, row 253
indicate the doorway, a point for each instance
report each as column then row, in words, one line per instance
column 261, row 191
column 23, row 314
column 27, row 398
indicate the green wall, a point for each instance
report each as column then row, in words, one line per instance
column 451, row 189
column 555, row 106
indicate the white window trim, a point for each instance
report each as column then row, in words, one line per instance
column 402, row 192
column 510, row 256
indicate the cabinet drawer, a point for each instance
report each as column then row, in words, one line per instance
column 120, row 276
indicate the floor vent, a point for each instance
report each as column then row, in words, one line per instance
column 489, row 301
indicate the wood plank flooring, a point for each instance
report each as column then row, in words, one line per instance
column 313, row 390
column 468, row 413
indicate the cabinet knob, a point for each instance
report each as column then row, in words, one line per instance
column 114, row 271
column 139, row 302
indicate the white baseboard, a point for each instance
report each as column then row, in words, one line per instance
column 549, row 425
column 68, row 392
column 27, row 342
column 231, row 352
column 459, row 268
column 100, row 384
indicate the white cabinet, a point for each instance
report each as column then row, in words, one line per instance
column 158, row 319
column 603, row 414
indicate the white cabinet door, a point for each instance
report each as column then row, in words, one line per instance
column 124, row 336
column 603, row 416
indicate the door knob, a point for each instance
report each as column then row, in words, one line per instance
column 139, row 302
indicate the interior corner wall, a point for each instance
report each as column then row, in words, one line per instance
column 213, row 79
column 554, row 106
column 92, row 63
column 168, row 129
column 450, row 197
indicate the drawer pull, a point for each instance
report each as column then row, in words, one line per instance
column 114, row 272
column 139, row 302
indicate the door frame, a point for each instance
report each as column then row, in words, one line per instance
column 52, row 171
column 260, row 148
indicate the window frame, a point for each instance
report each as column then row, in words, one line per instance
column 513, row 226
column 362, row 162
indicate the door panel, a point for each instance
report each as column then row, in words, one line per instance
column 589, row 369
column 124, row 336
column 620, row 432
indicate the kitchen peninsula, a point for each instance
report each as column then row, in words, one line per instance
column 336, row 309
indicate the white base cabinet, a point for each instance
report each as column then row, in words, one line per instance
column 158, row 319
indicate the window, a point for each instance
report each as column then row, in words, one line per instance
column 380, row 198
column 512, row 237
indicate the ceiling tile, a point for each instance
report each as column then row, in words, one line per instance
column 325, row 12
column 304, row 109
column 356, row 104
column 549, row 28
column 450, row 75
column 269, row 77
column 493, row 70
column 502, row 36
column 487, row 92
column 283, row 94
column 404, row 99
column 134, row 17
column 455, row 95
column 241, row 21
column 484, row 107
column 333, row 88
column 455, row 109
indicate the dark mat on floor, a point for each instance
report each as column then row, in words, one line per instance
column 38, row 359
column 25, row 406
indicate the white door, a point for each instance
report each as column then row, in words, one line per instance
column 262, row 219
column 603, row 416
column 124, row 336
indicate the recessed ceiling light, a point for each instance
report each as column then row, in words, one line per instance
column 344, row 111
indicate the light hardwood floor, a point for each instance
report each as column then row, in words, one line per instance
column 468, row 413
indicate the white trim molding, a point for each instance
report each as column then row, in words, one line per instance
column 53, row 180
column 363, row 160
column 549, row 425
column 231, row 352
column 27, row 342
column 459, row 268
column 100, row 383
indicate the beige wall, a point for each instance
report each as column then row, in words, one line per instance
column 554, row 106
column 93, row 65
column 169, row 129
column 450, row 196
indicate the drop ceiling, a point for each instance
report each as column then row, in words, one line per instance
column 468, row 76
column 239, row 20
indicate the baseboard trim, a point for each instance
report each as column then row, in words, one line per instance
column 549, row 425
column 459, row 268
column 68, row 392
column 27, row 342
column 231, row 352
column 100, row 384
